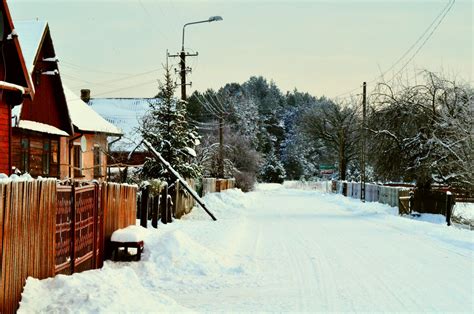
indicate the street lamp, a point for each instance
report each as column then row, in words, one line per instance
column 183, row 54
column 209, row 20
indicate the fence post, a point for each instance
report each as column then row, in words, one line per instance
column 144, row 206
column 73, row 226
column 449, row 207
column 164, row 204
column 154, row 210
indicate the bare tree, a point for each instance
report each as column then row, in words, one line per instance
column 335, row 127
column 424, row 132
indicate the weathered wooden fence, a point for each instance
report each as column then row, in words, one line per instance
column 374, row 193
column 211, row 185
column 27, row 228
column 47, row 229
column 436, row 201
column 322, row 186
column 157, row 201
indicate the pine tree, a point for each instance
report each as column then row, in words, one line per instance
column 166, row 128
column 272, row 170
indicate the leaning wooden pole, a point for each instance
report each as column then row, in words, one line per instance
column 178, row 176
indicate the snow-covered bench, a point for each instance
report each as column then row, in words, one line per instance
column 124, row 239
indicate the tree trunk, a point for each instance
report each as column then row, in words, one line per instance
column 342, row 159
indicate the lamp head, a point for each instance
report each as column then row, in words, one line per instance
column 215, row 18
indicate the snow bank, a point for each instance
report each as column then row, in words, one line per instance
column 227, row 204
column 99, row 291
column 185, row 256
column 464, row 210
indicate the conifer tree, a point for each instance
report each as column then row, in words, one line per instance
column 166, row 128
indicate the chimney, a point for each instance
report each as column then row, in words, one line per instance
column 86, row 95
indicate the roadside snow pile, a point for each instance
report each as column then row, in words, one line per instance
column 464, row 210
column 183, row 255
column 172, row 256
column 224, row 205
column 97, row 291
column 129, row 234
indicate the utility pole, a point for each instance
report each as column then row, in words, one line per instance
column 182, row 56
column 221, row 148
column 183, row 70
column 362, row 159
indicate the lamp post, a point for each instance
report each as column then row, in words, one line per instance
column 183, row 54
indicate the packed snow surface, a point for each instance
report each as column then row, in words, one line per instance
column 277, row 250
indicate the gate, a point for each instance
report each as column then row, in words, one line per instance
column 79, row 229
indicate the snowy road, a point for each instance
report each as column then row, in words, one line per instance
column 288, row 250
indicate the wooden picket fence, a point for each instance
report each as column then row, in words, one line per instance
column 47, row 229
column 119, row 203
column 27, row 236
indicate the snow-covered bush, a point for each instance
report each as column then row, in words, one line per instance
column 272, row 170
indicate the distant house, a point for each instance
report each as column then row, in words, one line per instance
column 39, row 124
column 127, row 114
column 85, row 152
column 15, row 84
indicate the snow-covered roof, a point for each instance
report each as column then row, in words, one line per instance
column 30, row 35
column 85, row 118
column 41, row 127
column 126, row 113
column 33, row 125
column 11, row 86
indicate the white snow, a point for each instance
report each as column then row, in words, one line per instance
column 464, row 210
column 40, row 127
column 7, row 85
column 15, row 178
column 55, row 72
column 190, row 151
column 129, row 234
column 85, row 118
column 278, row 250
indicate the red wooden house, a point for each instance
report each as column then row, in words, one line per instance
column 39, row 123
column 15, row 83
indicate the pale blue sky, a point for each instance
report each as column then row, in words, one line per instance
column 322, row 47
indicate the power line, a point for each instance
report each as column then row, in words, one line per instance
column 440, row 17
column 424, row 42
column 446, row 8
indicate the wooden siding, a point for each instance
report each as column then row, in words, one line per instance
column 67, row 156
column 4, row 138
column 49, row 105
column 36, row 141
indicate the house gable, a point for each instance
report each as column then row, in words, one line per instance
column 49, row 106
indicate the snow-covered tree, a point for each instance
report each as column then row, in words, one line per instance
column 165, row 126
column 425, row 133
column 336, row 128
column 272, row 169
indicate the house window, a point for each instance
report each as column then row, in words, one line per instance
column 97, row 162
column 77, row 161
column 46, row 157
column 25, row 155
